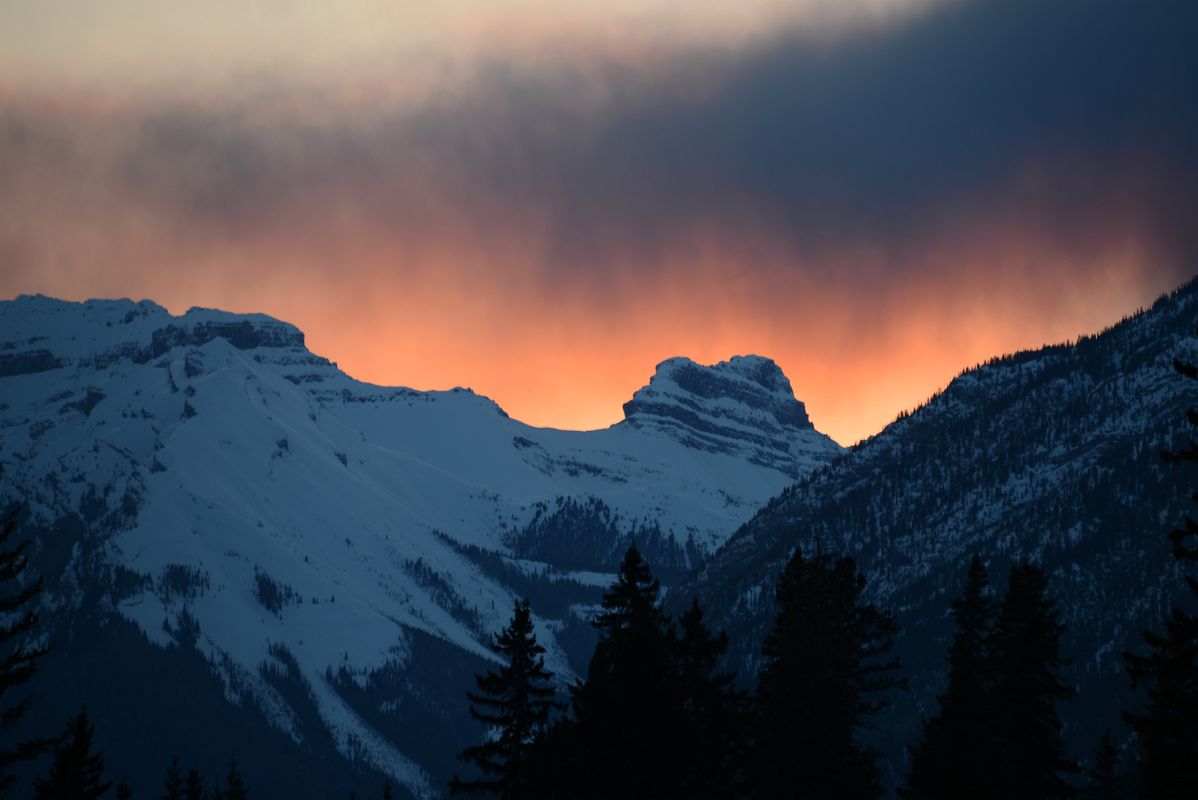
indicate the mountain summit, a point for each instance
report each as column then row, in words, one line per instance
column 743, row 406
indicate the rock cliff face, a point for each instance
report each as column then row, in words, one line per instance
column 743, row 407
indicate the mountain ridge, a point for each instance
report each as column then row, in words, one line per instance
column 207, row 471
column 1049, row 454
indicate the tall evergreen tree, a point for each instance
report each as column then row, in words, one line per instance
column 622, row 739
column 827, row 671
column 234, row 783
column 173, row 786
column 18, row 659
column 193, row 789
column 1026, row 662
column 1104, row 781
column 955, row 755
column 77, row 773
column 713, row 737
column 1167, row 676
column 516, row 702
column 654, row 717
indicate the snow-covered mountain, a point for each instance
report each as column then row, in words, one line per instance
column 319, row 541
column 1051, row 454
column 742, row 407
column 248, row 551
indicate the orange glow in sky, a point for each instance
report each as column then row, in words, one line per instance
column 569, row 357
column 542, row 201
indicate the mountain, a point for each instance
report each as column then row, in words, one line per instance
column 1052, row 455
column 247, row 550
column 742, row 407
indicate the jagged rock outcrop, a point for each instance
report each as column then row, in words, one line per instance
column 743, row 407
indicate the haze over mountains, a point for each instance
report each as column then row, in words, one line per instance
column 229, row 525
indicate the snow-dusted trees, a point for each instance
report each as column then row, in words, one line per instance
column 1167, row 676
column 18, row 658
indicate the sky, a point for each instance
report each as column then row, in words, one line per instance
column 542, row 200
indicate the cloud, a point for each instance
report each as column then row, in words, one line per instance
column 876, row 208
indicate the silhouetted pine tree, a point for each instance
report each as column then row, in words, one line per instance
column 955, row 755
column 173, row 787
column 827, row 671
column 715, row 722
column 18, row 660
column 193, row 789
column 77, row 773
column 1168, row 675
column 622, row 741
column 516, row 702
column 1025, row 656
column 124, row 791
column 1103, row 782
column 388, row 791
column 234, row 783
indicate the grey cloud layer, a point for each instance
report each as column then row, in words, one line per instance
column 880, row 138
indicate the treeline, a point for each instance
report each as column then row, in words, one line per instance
column 72, row 766
column 655, row 716
column 77, row 772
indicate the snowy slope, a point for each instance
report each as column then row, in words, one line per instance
column 1050, row 454
column 220, row 472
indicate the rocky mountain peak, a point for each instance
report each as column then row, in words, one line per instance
column 743, row 403
column 42, row 333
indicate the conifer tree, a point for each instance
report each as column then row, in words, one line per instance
column 124, row 791
column 1103, row 781
column 955, row 755
column 18, row 660
column 173, row 786
column 1026, row 663
column 77, row 773
column 516, row 702
column 715, row 725
column 1167, row 676
column 654, row 717
column 622, row 741
column 193, row 789
column 388, row 791
column 827, row 671
column 234, row 783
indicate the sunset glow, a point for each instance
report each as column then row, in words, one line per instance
column 543, row 204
